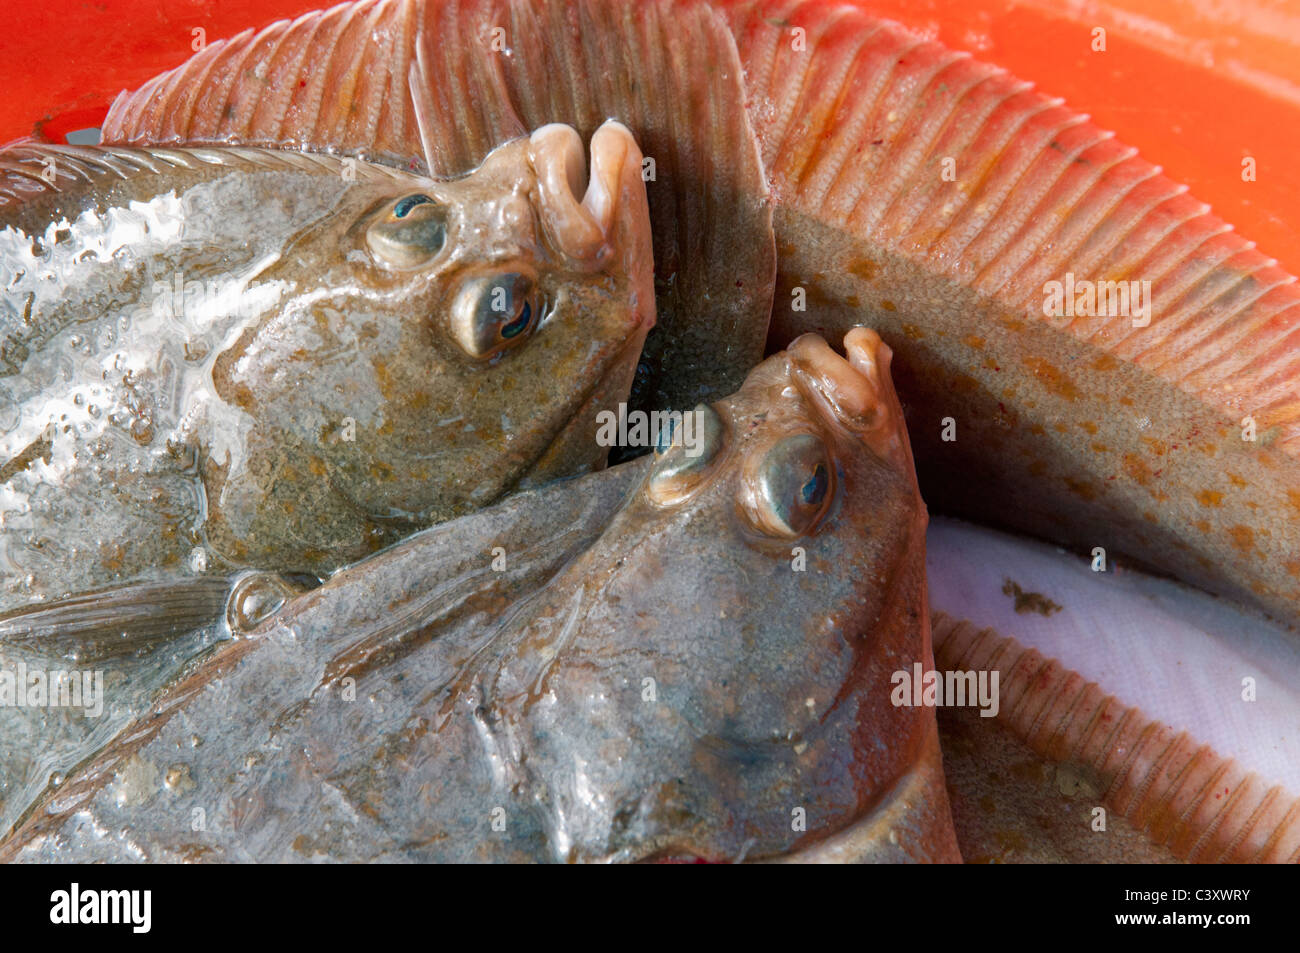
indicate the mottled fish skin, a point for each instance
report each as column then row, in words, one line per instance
column 616, row 693
column 666, row 70
column 1093, row 431
column 214, row 733
column 360, row 351
column 1086, row 430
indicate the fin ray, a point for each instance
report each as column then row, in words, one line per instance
column 116, row 621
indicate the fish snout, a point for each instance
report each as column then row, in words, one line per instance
column 588, row 225
column 854, row 392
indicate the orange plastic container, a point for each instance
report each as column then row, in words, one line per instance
column 1197, row 85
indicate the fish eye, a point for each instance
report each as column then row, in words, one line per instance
column 685, row 447
column 493, row 312
column 412, row 232
column 790, row 487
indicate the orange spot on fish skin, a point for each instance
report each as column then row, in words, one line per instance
column 1242, row 537
column 1293, row 568
column 1203, row 526
column 1059, row 427
column 1236, row 480
column 913, row 332
column 1126, row 401
column 1081, row 488
column 1158, row 447
column 1055, row 381
column 1089, row 426
column 991, row 364
column 111, row 555
column 387, row 386
column 973, row 342
column 864, row 268
column 1209, row 498
column 1037, row 430
column 1150, row 517
column 852, row 301
column 1107, row 362
column 1137, row 469
column 1100, row 448
column 888, row 305
column 964, row 384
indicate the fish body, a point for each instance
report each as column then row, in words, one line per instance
column 610, row 691
column 234, row 358
column 922, row 192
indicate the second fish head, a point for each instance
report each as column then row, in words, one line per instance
column 723, row 655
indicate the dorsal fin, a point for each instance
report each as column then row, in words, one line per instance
column 29, row 169
column 857, row 121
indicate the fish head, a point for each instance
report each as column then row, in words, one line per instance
column 767, row 576
column 447, row 342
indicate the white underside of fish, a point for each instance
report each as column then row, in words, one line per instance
column 1180, row 655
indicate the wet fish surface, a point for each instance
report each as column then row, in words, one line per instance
column 1167, row 433
column 220, row 359
column 612, row 691
column 1164, row 434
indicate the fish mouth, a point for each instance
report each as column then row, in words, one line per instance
column 583, row 223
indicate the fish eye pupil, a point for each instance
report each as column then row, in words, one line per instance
column 665, row 440
column 518, row 324
column 403, row 208
column 814, row 491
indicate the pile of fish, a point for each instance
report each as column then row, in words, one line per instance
column 310, row 376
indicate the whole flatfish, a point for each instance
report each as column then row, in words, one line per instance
column 580, row 673
column 220, row 359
